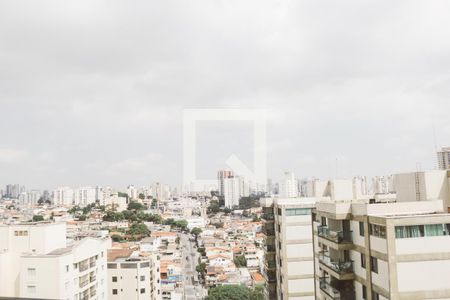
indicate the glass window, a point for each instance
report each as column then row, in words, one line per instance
column 31, row 289
column 361, row 228
column 434, row 230
column 114, row 279
column 114, row 291
column 374, row 264
column 364, row 292
column 142, row 291
column 378, row 231
column 298, row 211
column 142, row 278
column 363, row 261
column 31, row 272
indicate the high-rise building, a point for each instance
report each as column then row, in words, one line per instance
column 36, row 262
column 289, row 186
column 84, row 196
column 443, row 157
column 381, row 250
column 132, row 192
column 63, row 196
column 423, row 186
column 231, row 191
column 221, row 176
column 288, row 261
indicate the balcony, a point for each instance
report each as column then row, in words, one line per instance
column 92, row 278
column 93, row 292
column 326, row 287
column 270, row 264
column 84, row 283
column 340, row 267
column 270, row 248
column 84, row 267
column 92, row 264
column 334, row 236
column 268, row 216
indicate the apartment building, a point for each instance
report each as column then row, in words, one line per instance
column 381, row 250
column 443, row 157
column 132, row 276
column 423, row 186
column 288, row 259
column 289, row 186
column 36, row 262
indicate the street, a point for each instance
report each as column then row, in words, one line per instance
column 191, row 290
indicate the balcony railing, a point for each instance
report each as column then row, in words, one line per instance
column 93, row 293
column 84, row 283
column 84, row 267
column 92, row 278
column 92, row 264
column 335, row 236
column 326, row 287
column 268, row 217
column 341, row 267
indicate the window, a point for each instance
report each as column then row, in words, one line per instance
column 114, row 279
column 142, row 291
column 31, row 289
column 114, row 291
column 374, row 264
column 279, row 211
column 375, row 296
column 364, row 292
column 298, row 211
column 378, row 231
column 67, row 268
column 363, row 261
column 31, row 272
column 142, row 278
column 413, row 231
column 434, row 230
column 361, row 228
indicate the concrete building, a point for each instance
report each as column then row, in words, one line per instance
column 423, row 186
column 232, row 191
column 84, row 196
column 63, row 196
column 36, row 262
column 132, row 192
column 131, row 276
column 381, row 250
column 289, row 186
column 288, row 260
column 443, row 157
column 221, row 175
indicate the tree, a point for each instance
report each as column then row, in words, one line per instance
column 257, row 293
column 201, row 269
column 227, row 210
column 116, row 238
column 138, row 229
column 182, row 224
column 38, row 218
column 177, row 240
column 196, row 231
column 230, row 292
column 154, row 203
column 133, row 205
column 141, row 196
column 213, row 207
column 240, row 261
column 82, row 218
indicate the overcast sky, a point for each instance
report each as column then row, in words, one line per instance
column 92, row 92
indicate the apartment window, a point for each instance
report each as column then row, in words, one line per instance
column 142, row 291
column 114, row 291
column 31, row 272
column 298, row 211
column 114, row 279
column 279, row 211
column 374, row 264
column 142, row 278
column 378, row 231
column 364, row 292
column 413, row 231
column 20, row 233
column 375, row 296
column 31, row 289
column 361, row 228
column 363, row 261
column 67, row 268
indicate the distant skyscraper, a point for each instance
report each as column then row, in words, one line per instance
column 444, row 158
column 289, row 186
column 221, row 175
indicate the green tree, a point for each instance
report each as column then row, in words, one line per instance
column 133, row 205
column 230, row 292
column 82, row 218
column 117, row 238
column 138, row 229
column 213, row 207
column 38, row 218
column 154, row 203
column 182, row 224
column 240, row 261
column 201, row 269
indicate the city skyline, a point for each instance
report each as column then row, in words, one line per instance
column 83, row 102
